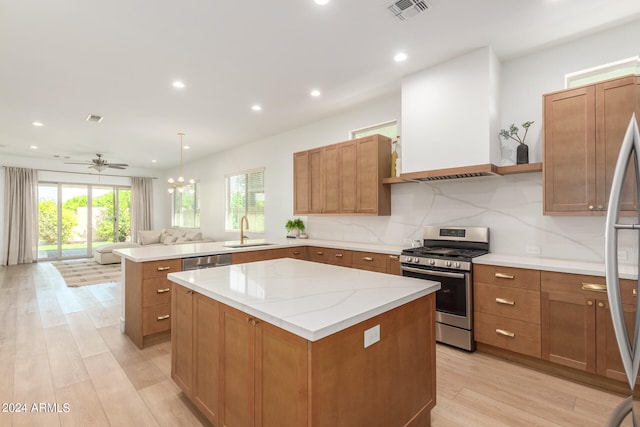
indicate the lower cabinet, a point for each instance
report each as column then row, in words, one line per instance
column 577, row 329
column 507, row 308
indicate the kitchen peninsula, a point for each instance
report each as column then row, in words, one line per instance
column 292, row 342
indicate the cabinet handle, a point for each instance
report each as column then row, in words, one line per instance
column 319, row 253
column 165, row 317
column 589, row 303
column 590, row 207
column 504, row 333
column 338, row 255
column 251, row 320
column 634, row 292
column 163, row 268
column 504, row 276
column 162, row 291
column 296, row 252
column 600, row 207
column 394, row 257
column 505, row 301
column 601, row 304
column 594, row 287
column 367, row 258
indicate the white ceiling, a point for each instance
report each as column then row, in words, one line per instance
column 62, row 60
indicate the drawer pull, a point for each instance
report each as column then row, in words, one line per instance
column 601, row 304
column 338, row 255
column 394, row 257
column 162, row 291
column 505, row 301
column 165, row 317
column 296, row 252
column 634, row 292
column 163, row 268
column 367, row 258
column 319, row 253
column 594, row 287
column 504, row 333
column 504, row 276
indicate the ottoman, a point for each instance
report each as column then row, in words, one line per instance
column 104, row 254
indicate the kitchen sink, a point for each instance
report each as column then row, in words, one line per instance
column 247, row 245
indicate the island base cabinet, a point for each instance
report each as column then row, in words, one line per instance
column 257, row 374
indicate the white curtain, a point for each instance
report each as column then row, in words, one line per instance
column 21, row 216
column 141, row 205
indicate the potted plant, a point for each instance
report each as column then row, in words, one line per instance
column 522, row 152
column 294, row 227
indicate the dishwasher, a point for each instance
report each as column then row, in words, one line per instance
column 206, row 261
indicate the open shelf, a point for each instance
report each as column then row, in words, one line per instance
column 528, row 167
column 492, row 169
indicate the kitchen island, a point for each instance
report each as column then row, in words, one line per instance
column 291, row 342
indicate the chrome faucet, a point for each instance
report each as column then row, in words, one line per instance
column 243, row 220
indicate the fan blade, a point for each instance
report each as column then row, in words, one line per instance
column 115, row 167
column 78, row 163
column 117, row 164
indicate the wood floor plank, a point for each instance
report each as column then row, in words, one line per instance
column 168, row 407
column 66, row 363
column 33, row 386
column 87, row 338
column 85, row 408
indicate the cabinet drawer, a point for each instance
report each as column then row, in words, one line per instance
column 587, row 286
column 156, row 319
column 317, row 254
column 509, row 334
column 156, row 291
column 339, row 257
column 370, row 261
column 153, row 269
column 514, row 303
column 298, row 253
column 507, row 276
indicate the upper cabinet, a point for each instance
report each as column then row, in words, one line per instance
column 344, row 178
column 583, row 132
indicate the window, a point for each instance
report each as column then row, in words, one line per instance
column 245, row 196
column 602, row 72
column 388, row 129
column 186, row 208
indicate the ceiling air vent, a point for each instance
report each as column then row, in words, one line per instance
column 405, row 9
column 94, row 118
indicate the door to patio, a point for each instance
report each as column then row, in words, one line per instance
column 75, row 218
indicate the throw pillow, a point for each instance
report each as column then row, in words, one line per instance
column 194, row 235
column 181, row 240
column 148, row 237
column 169, row 239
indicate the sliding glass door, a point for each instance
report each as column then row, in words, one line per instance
column 75, row 218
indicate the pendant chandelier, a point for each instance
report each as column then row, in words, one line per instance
column 180, row 184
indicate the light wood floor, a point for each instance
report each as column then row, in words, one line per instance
column 62, row 345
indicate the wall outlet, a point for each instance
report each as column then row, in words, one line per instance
column 371, row 336
column 533, row 250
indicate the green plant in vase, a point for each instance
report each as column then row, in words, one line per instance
column 522, row 152
column 294, row 227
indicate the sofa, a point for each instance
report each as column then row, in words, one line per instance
column 165, row 236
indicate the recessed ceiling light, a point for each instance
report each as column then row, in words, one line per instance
column 321, row 2
column 256, row 107
column 154, row 161
column 315, row 92
column 178, row 84
column 33, row 147
column 400, row 56
column 37, row 124
column 94, row 118
column 186, row 147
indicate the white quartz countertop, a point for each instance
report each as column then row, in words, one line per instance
column 309, row 299
column 553, row 264
column 186, row 250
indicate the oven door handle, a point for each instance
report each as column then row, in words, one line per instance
column 434, row 272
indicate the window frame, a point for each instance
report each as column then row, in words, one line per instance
column 253, row 225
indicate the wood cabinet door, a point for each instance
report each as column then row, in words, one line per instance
column 281, row 381
column 205, row 390
column 331, row 179
column 569, row 151
column 182, row 338
column 609, row 360
column 301, row 183
column 316, row 203
column 615, row 104
column 393, row 265
column 367, row 176
column 237, row 373
column 568, row 331
column 348, row 176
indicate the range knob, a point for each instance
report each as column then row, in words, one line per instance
column 432, row 262
column 416, row 260
column 448, row 263
column 456, row 264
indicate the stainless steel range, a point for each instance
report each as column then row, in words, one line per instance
column 446, row 258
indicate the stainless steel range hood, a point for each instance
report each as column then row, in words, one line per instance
column 451, row 173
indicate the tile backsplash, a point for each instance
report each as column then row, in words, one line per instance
column 511, row 206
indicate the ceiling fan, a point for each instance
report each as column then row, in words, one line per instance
column 99, row 164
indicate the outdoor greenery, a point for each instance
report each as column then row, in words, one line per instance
column 104, row 220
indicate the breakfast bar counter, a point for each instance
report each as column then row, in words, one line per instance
column 292, row 342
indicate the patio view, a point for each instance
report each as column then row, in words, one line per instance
column 75, row 218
